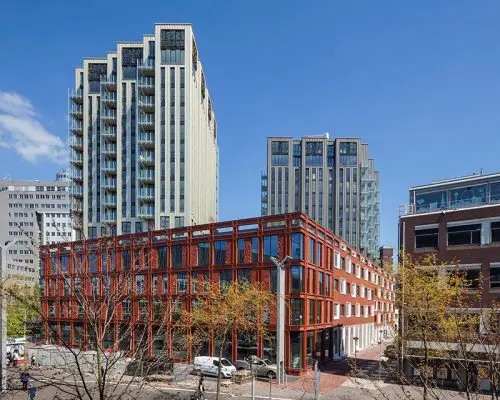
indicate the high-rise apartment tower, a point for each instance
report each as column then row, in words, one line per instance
column 331, row 181
column 143, row 137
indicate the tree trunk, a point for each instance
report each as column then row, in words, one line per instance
column 219, row 367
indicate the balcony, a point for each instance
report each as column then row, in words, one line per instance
column 77, row 174
column 109, row 99
column 146, row 85
column 109, row 167
column 109, row 117
column 146, row 175
column 147, row 157
column 147, row 195
column 147, row 121
column 77, row 127
column 108, row 82
column 146, row 68
column 146, row 103
column 109, row 133
column 77, row 96
column 76, row 158
column 146, row 212
column 146, row 140
column 77, row 191
column 109, row 184
column 109, row 201
column 76, row 143
column 77, row 112
column 109, row 150
column 109, row 216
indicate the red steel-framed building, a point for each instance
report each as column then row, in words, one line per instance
column 334, row 293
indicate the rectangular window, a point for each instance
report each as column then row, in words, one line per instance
column 297, row 246
column 318, row 311
column 203, row 253
column 255, row 249
column 336, row 260
column 226, row 277
column 312, row 245
column 336, row 311
column 495, row 276
column 181, row 282
column 177, row 255
column 311, row 312
column 426, row 238
column 244, row 275
column 296, row 311
column 343, row 286
column 335, row 285
column 270, row 247
column 495, row 232
column 164, row 283
column 296, row 279
column 296, row 345
column 464, row 235
column 241, row 251
column 220, row 251
column 274, row 279
column 321, row 287
column 162, row 257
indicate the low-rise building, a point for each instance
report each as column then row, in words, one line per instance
column 337, row 299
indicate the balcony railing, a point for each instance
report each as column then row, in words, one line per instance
column 110, row 200
column 109, row 116
column 146, row 139
column 146, row 212
column 147, row 121
column 77, row 111
column 109, row 98
column 109, row 149
column 146, row 67
column 76, row 127
column 77, row 191
column 146, row 84
column 77, row 96
column 109, row 184
column 147, row 158
column 76, row 158
column 76, row 142
column 109, row 216
column 109, row 167
column 109, row 132
column 146, row 175
column 108, row 82
column 146, row 194
column 77, row 174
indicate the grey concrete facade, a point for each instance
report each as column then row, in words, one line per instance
column 333, row 181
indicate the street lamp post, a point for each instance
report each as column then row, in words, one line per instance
column 380, row 344
column 280, row 318
column 355, row 338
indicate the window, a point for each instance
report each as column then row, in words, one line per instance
column 335, row 285
column 226, row 277
column 274, row 279
column 203, row 253
column 495, row 276
column 471, row 275
column 311, row 312
column 296, row 311
column 358, row 271
column 241, row 251
column 64, row 263
column 353, row 290
column 464, row 235
column 336, row 260
column 162, row 257
column 336, row 311
column 495, row 231
column 321, row 287
column 181, row 282
column 327, row 285
column 342, row 286
column 319, row 261
column 297, row 246
column 279, row 153
column 296, row 346
column 348, row 309
column 426, row 238
column 348, row 265
column 139, row 284
column 319, row 305
column 92, row 263
column 244, row 275
column 296, row 279
column 270, row 247
column 311, row 250
column 255, row 249
column 220, row 251
column 177, row 255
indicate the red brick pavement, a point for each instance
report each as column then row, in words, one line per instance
column 334, row 374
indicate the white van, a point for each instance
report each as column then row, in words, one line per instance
column 209, row 366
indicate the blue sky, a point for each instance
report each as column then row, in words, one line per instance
column 418, row 81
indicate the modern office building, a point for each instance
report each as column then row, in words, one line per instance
column 143, row 137
column 332, row 181
column 33, row 213
column 334, row 293
column 458, row 221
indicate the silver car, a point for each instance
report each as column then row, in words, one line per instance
column 261, row 367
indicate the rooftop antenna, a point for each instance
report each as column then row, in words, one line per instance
column 480, row 171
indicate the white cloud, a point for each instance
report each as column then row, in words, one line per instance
column 21, row 130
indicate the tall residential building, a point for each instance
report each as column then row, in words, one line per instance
column 331, row 181
column 143, row 137
column 33, row 213
column 458, row 222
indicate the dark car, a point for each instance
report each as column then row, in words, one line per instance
column 150, row 365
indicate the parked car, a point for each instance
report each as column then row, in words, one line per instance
column 209, row 366
column 262, row 367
